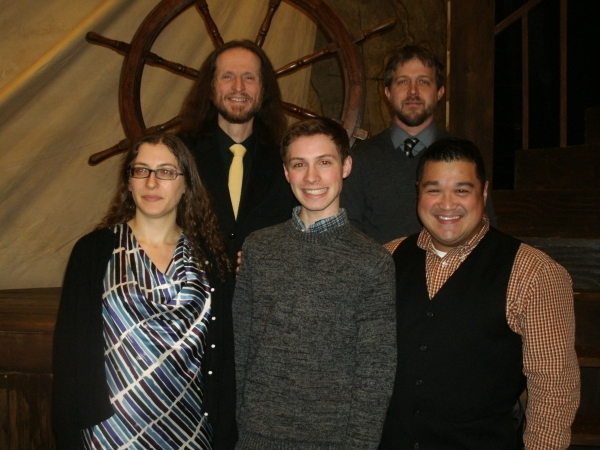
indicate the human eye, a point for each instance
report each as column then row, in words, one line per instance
column 425, row 81
column 167, row 174
column 249, row 77
column 139, row 172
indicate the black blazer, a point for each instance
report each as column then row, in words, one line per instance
column 267, row 198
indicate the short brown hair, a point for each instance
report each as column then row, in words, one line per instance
column 312, row 127
column 408, row 52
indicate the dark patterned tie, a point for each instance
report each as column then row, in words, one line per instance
column 409, row 144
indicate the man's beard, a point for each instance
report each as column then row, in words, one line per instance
column 413, row 120
column 237, row 116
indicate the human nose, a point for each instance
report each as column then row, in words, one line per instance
column 311, row 175
column 447, row 201
column 238, row 84
column 152, row 181
column 413, row 87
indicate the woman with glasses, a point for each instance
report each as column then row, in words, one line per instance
column 143, row 351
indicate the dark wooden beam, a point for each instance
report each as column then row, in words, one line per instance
column 471, row 74
column 575, row 167
column 549, row 213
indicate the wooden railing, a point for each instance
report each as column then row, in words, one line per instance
column 522, row 14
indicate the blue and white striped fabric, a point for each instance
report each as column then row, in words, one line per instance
column 155, row 331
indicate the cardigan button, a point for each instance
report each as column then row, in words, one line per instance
column 212, row 289
column 210, row 372
column 423, row 347
column 429, row 313
column 419, row 382
column 213, row 318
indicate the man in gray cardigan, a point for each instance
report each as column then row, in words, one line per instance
column 314, row 313
column 380, row 195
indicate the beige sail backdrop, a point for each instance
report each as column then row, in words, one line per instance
column 58, row 105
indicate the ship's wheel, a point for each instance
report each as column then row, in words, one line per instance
column 138, row 53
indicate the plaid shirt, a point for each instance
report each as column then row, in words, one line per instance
column 539, row 307
column 322, row 225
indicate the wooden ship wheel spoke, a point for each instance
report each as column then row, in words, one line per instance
column 137, row 54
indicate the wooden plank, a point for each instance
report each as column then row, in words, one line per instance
column 27, row 318
column 549, row 213
column 26, row 352
column 4, row 423
column 588, row 355
column 586, row 430
column 590, row 391
column 471, row 63
column 29, row 412
column 572, row 167
column 29, row 310
column 581, row 258
column 587, row 316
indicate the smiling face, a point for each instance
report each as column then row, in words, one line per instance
column 237, row 86
column 451, row 202
column 315, row 171
column 414, row 95
column 156, row 198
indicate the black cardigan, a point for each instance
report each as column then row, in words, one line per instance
column 81, row 394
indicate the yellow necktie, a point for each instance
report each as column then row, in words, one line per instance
column 236, row 175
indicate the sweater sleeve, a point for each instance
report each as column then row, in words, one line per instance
column 375, row 356
column 242, row 321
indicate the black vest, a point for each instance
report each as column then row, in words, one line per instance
column 460, row 365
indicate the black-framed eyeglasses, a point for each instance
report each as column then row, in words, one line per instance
column 161, row 174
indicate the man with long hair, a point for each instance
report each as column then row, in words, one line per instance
column 236, row 104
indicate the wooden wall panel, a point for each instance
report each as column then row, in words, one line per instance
column 470, row 86
column 25, row 415
column 549, row 213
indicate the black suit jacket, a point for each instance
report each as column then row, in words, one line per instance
column 266, row 200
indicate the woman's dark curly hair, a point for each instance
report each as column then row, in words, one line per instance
column 195, row 214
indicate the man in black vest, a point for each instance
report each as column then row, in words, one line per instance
column 480, row 317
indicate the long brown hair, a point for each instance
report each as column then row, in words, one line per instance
column 199, row 114
column 195, row 214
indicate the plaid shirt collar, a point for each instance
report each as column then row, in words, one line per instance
column 320, row 226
